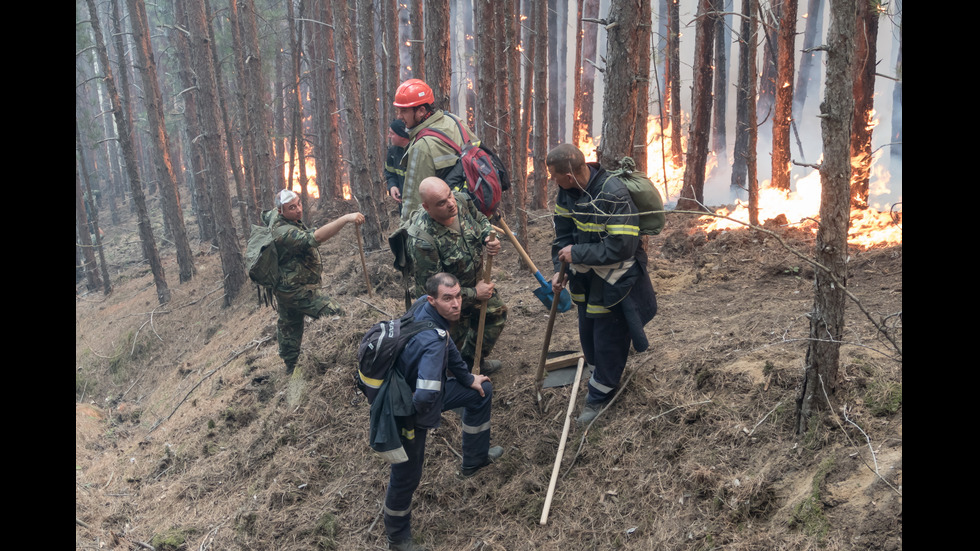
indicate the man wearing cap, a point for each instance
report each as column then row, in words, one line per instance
column 426, row 156
column 394, row 173
column 298, row 291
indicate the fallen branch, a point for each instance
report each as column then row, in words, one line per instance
column 253, row 344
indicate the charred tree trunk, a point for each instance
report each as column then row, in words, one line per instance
column 590, row 34
column 743, row 120
column 719, row 142
column 540, row 186
column 125, row 139
column 153, row 100
column 692, row 194
column 229, row 248
column 621, row 84
column 202, row 200
column 767, row 82
column 437, row 67
column 369, row 104
column 328, row 151
column 367, row 196
column 827, row 318
column 865, row 62
column 417, row 49
column 783, row 115
column 805, row 84
column 673, row 81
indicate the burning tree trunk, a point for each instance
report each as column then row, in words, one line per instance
column 437, row 67
column 540, row 22
column 827, row 318
column 619, row 100
column 524, row 135
column 865, row 62
column 692, row 194
column 125, row 139
column 783, row 116
column 368, row 197
column 232, row 264
column 153, row 100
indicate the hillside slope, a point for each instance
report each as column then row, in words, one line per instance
column 190, row 436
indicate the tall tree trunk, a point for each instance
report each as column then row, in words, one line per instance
column 673, row 80
column 229, row 248
column 895, row 157
column 485, row 119
column 518, row 143
column 540, row 23
column 125, row 139
column 621, row 84
column 752, row 158
column 298, row 147
column 805, row 83
column 202, row 200
column 503, row 46
column 153, row 100
column 329, row 152
column 369, row 100
column 84, row 245
column 743, row 120
column 106, row 280
column 783, row 115
column 368, row 197
column 392, row 60
column 865, row 62
column 417, row 20
column 590, row 10
column 827, row 318
column 527, row 109
column 437, row 50
column 555, row 73
column 692, row 194
column 719, row 142
column 644, row 32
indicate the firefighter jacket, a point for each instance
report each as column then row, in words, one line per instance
column 424, row 363
column 428, row 156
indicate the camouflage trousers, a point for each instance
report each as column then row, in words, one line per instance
column 464, row 331
column 293, row 307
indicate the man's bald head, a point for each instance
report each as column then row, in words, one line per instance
column 432, row 187
column 438, row 200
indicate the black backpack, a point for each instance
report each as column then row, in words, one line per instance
column 381, row 346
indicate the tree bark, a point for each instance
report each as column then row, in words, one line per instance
column 417, row 49
column 437, row 50
column 673, row 81
column 229, row 248
column 827, row 318
column 865, row 62
column 644, row 32
column 808, row 59
column 125, row 139
column 105, row 280
column 719, row 142
column 323, row 75
column 692, row 194
column 783, row 115
column 539, row 199
column 621, row 84
column 369, row 105
column 590, row 10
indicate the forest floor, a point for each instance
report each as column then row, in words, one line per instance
column 189, row 435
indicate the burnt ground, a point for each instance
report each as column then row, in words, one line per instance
column 188, row 435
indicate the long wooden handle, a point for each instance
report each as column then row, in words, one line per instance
column 488, row 266
column 547, row 340
column 561, row 445
column 360, row 248
column 517, row 244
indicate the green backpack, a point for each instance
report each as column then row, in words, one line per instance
column 645, row 196
column 262, row 256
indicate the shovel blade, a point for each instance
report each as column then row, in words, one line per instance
column 547, row 295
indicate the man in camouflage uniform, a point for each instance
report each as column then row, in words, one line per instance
column 449, row 235
column 298, row 291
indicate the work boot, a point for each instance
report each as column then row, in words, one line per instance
column 588, row 413
column 406, row 545
column 493, row 454
column 490, row 366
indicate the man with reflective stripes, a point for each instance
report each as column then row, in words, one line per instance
column 424, row 363
column 597, row 234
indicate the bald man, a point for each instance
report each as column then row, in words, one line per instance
column 450, row 235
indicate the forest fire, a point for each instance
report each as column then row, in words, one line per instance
column 311, row 184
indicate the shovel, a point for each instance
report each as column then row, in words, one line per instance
column 539, row 377
column 544, row 293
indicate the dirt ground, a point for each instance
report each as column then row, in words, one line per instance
column 188, row 434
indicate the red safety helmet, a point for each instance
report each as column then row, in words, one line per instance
column 412, row 93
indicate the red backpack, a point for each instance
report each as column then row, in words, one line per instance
column 479, row 171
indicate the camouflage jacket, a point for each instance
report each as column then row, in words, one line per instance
column 299, row 254
column 435, row 248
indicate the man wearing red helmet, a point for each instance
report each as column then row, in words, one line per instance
column 428, row 155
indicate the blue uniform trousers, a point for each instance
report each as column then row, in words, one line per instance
column 606, row 345
column 405, row 477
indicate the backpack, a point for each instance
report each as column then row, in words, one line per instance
column 644, row 195
column 398, row 242
column 262, row 258
column 381, row 346
column 479, row 171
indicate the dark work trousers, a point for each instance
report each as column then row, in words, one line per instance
column 405, row 477
column 606, row 345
